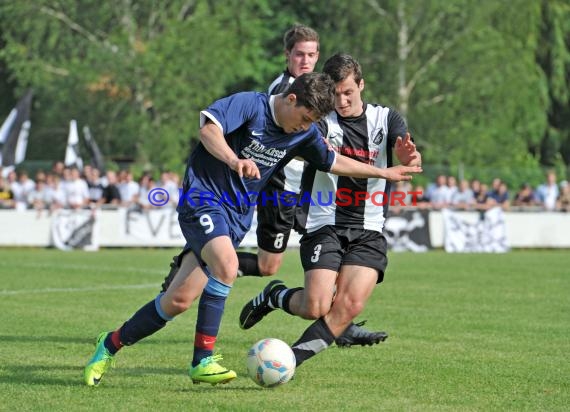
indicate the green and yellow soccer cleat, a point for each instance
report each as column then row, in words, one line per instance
column 210, row 371
column 99, row 363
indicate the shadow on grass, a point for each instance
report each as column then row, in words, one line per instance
column 68, row 375
column 72, row 376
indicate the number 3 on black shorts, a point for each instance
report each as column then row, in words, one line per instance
column 316, row 253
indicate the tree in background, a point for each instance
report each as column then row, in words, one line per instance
column 483, row 84
column 554, row 59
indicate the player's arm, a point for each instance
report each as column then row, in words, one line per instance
column 406, row 151
column 401, row 140
column 214, row 141
column 345, row 166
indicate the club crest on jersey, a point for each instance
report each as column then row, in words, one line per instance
column 378, row 137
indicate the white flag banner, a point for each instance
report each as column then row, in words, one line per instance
column 72, row 157
column 75, row 229
column 22, row 144
column 14, row 132
column 488, row 234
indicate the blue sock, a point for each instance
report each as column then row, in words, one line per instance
column 146, row 321
column 210, row 311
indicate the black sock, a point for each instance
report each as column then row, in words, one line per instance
column 146, row 321
column 280, row 298
column 315, row 339
column 248, row 264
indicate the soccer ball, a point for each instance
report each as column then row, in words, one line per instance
column 270, row 362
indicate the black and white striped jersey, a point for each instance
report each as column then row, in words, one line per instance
column 289, row 178
column 345, row 201
column 281, row 83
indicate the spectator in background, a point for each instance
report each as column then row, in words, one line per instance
column 6, row 196
column 451, row 188
column 54, row 192
column 128, row 188
column 40, row 198
column 21, row 188
column 482, row 200
column 476, row 188
column 146, row 184
column 40, row 175
column 111, row 195
column 57, row 168
column 524, row 197
column 502, row 196
column 564, row 199
column 439, row 196
column 94, row 184
column 170, row 182
column 76, row 191
column 494, row 191
column 63, row 182
column 547, row 193
column 463, row 198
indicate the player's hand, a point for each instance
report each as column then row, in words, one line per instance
column 401, row 172
column 246, row 168
column 405, row 150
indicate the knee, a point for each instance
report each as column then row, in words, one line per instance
column 317, row 309
column 226, row 272
column 269, row 266
column 351, row 307
column 176, row 304
column 179, row 306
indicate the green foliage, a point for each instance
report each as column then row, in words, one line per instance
column 481, row 84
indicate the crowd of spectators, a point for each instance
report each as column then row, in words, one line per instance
column 476, row 195
column 70, row 188
column 64, row 187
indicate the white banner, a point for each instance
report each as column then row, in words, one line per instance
column 488, row 234
column 75, row 229
column 153, row 226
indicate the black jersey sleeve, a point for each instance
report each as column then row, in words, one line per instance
column 396, row 126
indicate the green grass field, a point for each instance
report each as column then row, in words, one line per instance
column 467, row 332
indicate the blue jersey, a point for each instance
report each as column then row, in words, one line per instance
column 250, row 129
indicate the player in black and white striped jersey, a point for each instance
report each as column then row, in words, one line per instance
column 275, row 221
column 343, row 245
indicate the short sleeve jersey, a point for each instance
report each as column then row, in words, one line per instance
column 249, row 126
column 368, row 138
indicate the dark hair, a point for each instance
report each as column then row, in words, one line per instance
column 315, row 91
column 299, row 33
column 340, row 66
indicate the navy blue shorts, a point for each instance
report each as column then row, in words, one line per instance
column 202, row 223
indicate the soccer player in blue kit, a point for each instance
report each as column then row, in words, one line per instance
column 244, row 139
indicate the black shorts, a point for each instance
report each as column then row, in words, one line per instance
column 274, row 224
column 330, row 247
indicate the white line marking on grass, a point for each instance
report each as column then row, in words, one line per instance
column 91, row 268
column 75, row 290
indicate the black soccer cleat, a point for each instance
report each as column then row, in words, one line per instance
column 257, row 308
column 355, row 334
column 174, row 266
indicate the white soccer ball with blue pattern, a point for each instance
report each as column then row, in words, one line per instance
column 270, row 362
